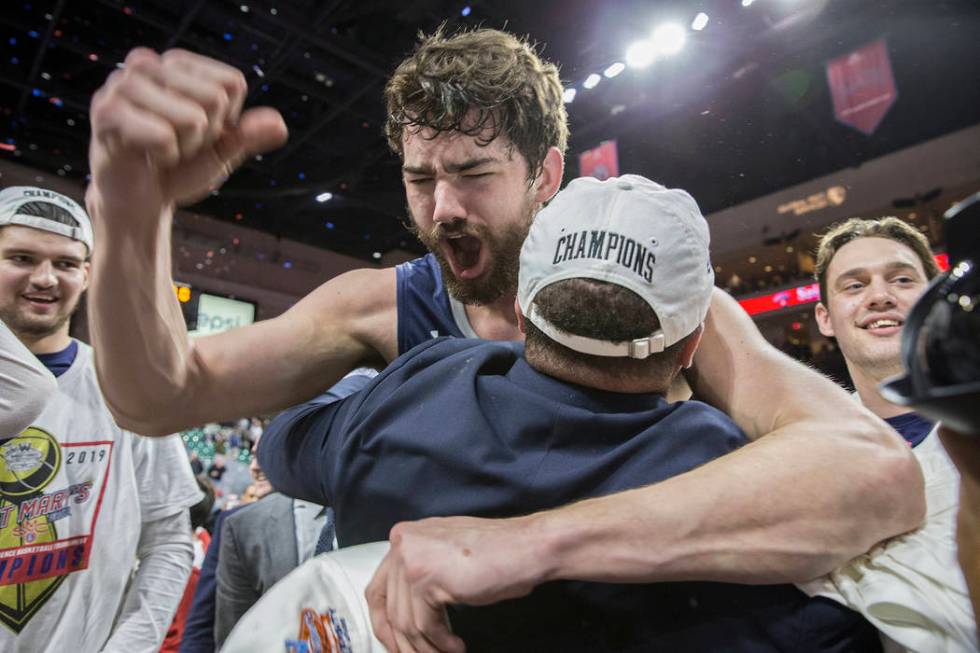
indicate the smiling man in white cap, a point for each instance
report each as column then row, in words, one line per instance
column 614, row 285
column 81, row 500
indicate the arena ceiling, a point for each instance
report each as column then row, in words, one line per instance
column 742, row 111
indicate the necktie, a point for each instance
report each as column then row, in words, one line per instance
column 324, row 543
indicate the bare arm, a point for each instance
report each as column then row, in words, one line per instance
column 165, row 131
column 823, row 481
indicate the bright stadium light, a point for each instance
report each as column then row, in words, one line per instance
column 700, row 22
column 746, row 3
column 592, row 81
column 614, row 69
column 569, row 95
column 669, row 38
column 324, row 197
column 640, row 54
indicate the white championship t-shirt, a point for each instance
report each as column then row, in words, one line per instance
column 74, row 490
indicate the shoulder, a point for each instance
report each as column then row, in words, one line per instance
column 421, row 269
column 364, row 287
column 448, row 350
column 273, row 504
column 362, row 302
column 707, row 420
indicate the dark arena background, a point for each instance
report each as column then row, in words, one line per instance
column 779, row 116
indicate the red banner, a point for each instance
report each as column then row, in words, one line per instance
column 601, row 162
column 862, row 86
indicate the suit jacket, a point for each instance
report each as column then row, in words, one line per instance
column 258, row 548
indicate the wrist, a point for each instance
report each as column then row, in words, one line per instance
column 114, row 219
column 556, row 539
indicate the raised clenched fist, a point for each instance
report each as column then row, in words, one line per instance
column 167, row 129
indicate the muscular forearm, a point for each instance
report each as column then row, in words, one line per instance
column 786, row 508
column 143, row 359
column 823, row 480
column 165, row 556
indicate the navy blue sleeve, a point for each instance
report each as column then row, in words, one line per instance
column 292, row 449
column 199, row 629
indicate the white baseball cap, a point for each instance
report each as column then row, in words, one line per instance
column 320, row 602
column 629, row 231
column 19, row 205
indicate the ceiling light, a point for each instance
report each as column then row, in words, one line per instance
column 592, row 81
column 746, row 3
column 569, row 95
column 700, row 22
column 669, row 38
column 614, row 69
column 324, row 197
column 640, row 54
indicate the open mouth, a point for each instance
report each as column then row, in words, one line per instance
column 465, row 255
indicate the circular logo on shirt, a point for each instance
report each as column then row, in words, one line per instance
column 28, row 462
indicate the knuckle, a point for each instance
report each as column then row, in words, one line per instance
column 414, row 570
column 176, row 56
column 216, row 103
column 238, row 83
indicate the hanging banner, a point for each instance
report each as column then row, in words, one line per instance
column 601, row 162
column 862, row 86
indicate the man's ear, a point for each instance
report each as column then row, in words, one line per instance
column 548, row 180
column 87, row 273
column 690, row 347
column 823, row 320
column 520, row 316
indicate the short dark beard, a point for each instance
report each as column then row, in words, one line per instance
column 504, row 251
column 33, row 330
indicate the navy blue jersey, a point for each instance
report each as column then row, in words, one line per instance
column 460, row 426
column 425, row 310
column 911, row 426
column 59, row 362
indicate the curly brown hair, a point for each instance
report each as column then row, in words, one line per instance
column 476, row 81
column 892, row 228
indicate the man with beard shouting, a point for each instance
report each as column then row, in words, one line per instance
column 480, row 126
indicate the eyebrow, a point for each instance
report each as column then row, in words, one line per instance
column 889, row 267
column 30, row 252
column 462, row 166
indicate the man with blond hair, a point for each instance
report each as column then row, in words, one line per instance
column 871, row 272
